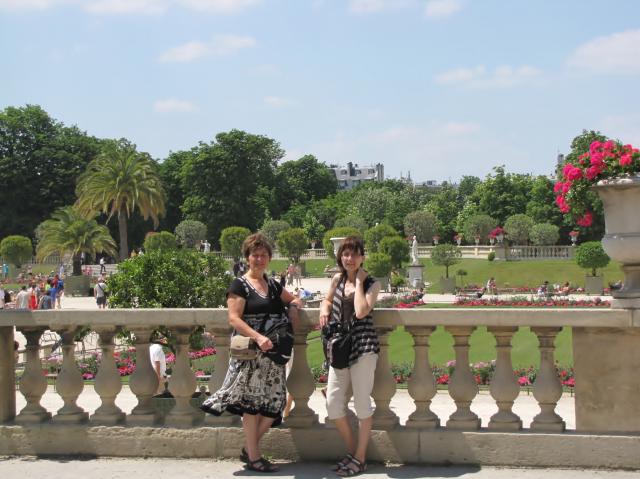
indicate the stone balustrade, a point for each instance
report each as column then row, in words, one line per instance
column 606, row 361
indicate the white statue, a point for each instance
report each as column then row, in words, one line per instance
column 414, row 250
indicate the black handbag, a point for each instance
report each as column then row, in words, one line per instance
column 280, row 331
column 339, row 347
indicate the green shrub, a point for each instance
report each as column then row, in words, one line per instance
column 169, row 279
column 231, row 240
column 189, row 232
column 272, row 229
column 378, row 264
column 396, row 247
column 478, row 225
column 517, row 228
column 422, row 224
column 491, row 256
column 292, row 243
column 373, row 236
column 351, row 221
column 591, row 255
column 164, row 240
column 544, row 234
column 16, row 250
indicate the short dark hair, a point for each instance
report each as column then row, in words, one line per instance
column 254, row 242
column 350, row 243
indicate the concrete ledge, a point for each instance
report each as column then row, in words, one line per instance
column 524, row 449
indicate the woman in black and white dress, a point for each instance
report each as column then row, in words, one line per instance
column 255, row 389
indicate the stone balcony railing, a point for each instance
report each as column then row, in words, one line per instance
column 606, row 345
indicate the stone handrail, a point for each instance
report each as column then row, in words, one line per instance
column 613, row 333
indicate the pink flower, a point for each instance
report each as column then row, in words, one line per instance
column 593, row 171
column 524, row 381
column 626, row 159
column 571, row 172
column 594, row 146
column 562, row 204
column 585, row 220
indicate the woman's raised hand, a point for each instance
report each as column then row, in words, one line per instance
column 264, row 343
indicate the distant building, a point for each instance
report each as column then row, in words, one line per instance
column 352, row 175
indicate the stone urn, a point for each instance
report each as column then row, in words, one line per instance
column 620, row 198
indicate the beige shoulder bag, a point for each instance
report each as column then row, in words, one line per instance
column 243, row 348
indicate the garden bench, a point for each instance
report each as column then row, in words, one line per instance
column 468, row 292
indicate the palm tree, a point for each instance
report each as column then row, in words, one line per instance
column 119, row 181
column 69, row 232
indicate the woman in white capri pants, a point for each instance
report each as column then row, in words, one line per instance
column 351, row 297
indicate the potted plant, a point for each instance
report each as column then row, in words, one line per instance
column 574, row 237
column 446, row 255
column 457, row 238
column 612, row 170
column 591, row 255
column 436, row 240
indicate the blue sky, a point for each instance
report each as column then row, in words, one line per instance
column 440, row 88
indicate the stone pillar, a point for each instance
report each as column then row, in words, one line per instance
column 384, row 387
column 107, row 382
column 143, row 382
column 33, row 383
column 221, row 340
column 504, row 385
column 69, row 383
column 422, row 385
column 462, row 387
column 607, row 364
column 182, row 383
column 300, row 383
column 7, row 375
column 547, row 388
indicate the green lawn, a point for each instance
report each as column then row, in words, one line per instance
column 524, row 353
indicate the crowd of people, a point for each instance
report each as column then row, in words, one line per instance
column 40, row 292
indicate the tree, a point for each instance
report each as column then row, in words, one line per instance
column 40, row 160
column 337, row 233
column 292, row 243
column 421, row 224
column 446, row 255
column 231, row 240
column 373, row 236
column 517, row 228
column 467, row 187
column 190, row 232
column 171, row 175
column 351, row 221
column 541, row 206
column 444, row 206
column 16, row 249
column 231, row 181
column 544, row 234
column 302, row 180
column 313, row 228
column 164, row 240
column 478, row 225
column 189, row 280
column 69, row 232
column 591, row 255
column 272, row 229
column 396, row 247
column 503, row 194
column 118, row 182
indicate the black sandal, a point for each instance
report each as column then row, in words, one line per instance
column 348, row 471
column 261, row 465
column 244, row 455
column 342, row 462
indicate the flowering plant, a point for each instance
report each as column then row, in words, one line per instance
column 574, row 233
column 496, row 232
column 457, row 237
column 604, row 160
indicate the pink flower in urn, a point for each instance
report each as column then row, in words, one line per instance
column 626, row 159
column 585, row 220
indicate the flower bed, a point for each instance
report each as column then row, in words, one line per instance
column 531, row 302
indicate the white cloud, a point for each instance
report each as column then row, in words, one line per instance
column 363, row 7
column 119, row 7
column 618, row 53
column 442, row 8
column 221, row 45
column 173, row 105
column 185, row 53
column 27, row 4
column 219, row 6
column 625, row 128
column 277, row 102
column 501, row 77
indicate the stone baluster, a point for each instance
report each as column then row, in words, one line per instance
column 7, row 375
column 182, row 383
column 504, row 385
column 384, row 387
column 69, row 383
column 462, row 386
column 33, row 384
column 107, row 382
column 422, row 385
column 143, row 382
column 300, row 383
column 547, row 388
column 221, row 340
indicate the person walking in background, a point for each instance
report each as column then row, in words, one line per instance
column 5, row 271
column 100, row 293
column 22, row 298
column 491, row 287
column 103, row 268
column 349, row 304
column 159, row 363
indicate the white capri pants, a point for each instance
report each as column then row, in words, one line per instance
column 360, row 378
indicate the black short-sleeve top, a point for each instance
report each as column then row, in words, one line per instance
column 256, row 304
